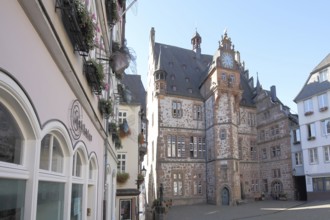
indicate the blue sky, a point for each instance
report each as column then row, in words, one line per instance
column 282, row 40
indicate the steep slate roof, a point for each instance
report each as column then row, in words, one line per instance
column 312, row 88
column 182, row 63
column 134, row 84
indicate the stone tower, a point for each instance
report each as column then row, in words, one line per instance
column 223, row 94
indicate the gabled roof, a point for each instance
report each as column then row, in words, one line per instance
column 184, row 70
column 134, row 84
column 324, row 63
column 312, row 88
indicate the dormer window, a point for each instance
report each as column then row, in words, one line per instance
column 323, row 75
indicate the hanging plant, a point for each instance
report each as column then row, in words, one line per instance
column 122, row 177
column 105, row 107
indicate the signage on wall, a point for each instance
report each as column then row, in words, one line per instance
column 77, row 126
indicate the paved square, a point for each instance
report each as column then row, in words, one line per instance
column 270, row 210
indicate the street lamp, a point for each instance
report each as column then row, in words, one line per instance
column 143, row 171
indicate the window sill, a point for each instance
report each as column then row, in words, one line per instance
column 311, row 138
column 309, row 113
column 323, row 109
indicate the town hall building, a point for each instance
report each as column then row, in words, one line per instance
column 215, row 136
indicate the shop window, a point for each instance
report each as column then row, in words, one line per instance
column 12, row 196
column 51, row 155
column 76, row 202
column 11, row 138
column 50, row 200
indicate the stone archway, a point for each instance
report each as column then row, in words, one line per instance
column 225, row 196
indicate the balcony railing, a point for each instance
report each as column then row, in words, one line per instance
column 78, row 24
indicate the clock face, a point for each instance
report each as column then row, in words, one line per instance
column 227, row 60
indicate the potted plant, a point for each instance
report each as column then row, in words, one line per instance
column 95, row 76
column 122, row 177
column 105, row 107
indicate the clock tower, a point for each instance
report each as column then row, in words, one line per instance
column 222, row 128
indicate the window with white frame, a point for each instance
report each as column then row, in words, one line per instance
column 121, row 166
column 325, row 126
column 176, row 109
column 296, row 136
column 323, row 102
column 311, row 131
column 275, row 151
column 77, row 165
column 197, row 184
column 326, row 150
column 51, row 155
column 197, row 147
column 313, row 158
column 323, row 75
column 11, row 138
column 177, row 184
column 181, row 146
column 197, row 112
column 308, row 106
column 298, row 158
column 171, row 146
column 121, row 116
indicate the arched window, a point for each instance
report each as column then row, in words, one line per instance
column 51, row 155
column 11, row 138
column 77, row 165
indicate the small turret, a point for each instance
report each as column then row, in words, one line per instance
column 196, row 42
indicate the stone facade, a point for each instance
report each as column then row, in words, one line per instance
column 219, row 139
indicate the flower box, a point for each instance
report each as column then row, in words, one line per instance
column 323, row 109
column 309, row 113
column 122, row 177
column 78, row 24
column 95, row 76
column 311, row 138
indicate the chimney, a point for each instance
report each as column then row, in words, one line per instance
column 273, row 93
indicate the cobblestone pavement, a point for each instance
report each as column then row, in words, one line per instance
column 270, row 210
